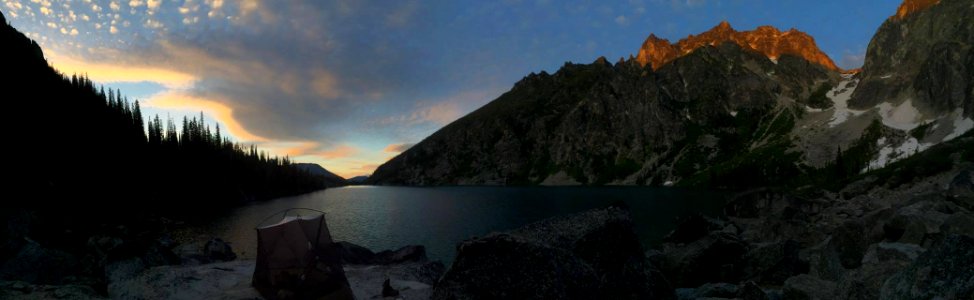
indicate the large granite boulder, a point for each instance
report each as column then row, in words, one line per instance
column 594, row 254
column 716, row 257
column 943, row 272
column 775, row 262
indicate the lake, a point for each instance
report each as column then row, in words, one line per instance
column 382, row 218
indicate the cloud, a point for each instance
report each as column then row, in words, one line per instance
column 621, row 20
column 341, row 151
column 398, row 148
column 109, row 73
column 440, row 113
column 222, row 113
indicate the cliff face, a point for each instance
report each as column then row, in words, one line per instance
column 911, row 6
column 766, row 40
column 714, row 110
column 624, row 123
column 923, row 53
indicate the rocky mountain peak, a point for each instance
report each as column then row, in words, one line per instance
column 909, row 7
column 767, row 40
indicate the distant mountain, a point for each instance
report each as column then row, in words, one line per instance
column 331, row 179
column 358, row 180
column 721, row 109
column 766, row 40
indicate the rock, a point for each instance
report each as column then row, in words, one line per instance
column 714, row 258
column 775, row 262
column 506, row 266
column 200, row 252
column 352, row 254
column 655, row 257
column 708, row 290
column 26, row 291
column 692, row 228
column 944, row 272
column 594, row 254
column 37, row 264
column 848, row 244
column 960, row 223
column 883, row 252
column 388, row 291
column 809, row 287
column 218, row 250
column 962, row 185
column 412, row 253
column 412, row 280
column 751, row 291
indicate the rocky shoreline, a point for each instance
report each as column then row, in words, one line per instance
column 868, row 240
column 209, row 270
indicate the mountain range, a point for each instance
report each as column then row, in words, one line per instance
column 723, row 108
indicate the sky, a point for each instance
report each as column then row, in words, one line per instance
column 350, row 84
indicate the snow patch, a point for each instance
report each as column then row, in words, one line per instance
column 889, row 154
column 902, row 117
column 961, row 126
column 809, row 109
column 840, row 96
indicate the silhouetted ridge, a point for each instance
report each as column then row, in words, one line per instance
column 85, row 150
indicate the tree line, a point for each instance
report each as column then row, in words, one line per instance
column 77, row 148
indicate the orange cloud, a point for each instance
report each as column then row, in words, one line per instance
column 219, row 111
column 397, row 148
column 103, row 72
column 106, row 73
column 288, row 148
column 338, row 152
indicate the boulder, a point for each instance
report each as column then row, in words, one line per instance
column 352, row 254
column 962, row 186
column 200, row 252
column 714, row 258
column 25, row 291
column 692, row 228
column 943, row 272
column 412, row 253
column 594, row 254
column 848, row 244
column 217, row 250
column 506, row 266
column 773, row 263
column 883, row 252
column 751, row 291
column 37, row 264
column 708, row 290
column 388, row 291
column 807, row 287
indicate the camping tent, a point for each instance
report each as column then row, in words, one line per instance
column 296, row 258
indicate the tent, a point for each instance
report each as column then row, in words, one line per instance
column 296, row 258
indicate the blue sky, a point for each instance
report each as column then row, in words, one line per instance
column 349, row 84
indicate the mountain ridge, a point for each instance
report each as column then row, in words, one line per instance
column 720, row 115
column 767, row 40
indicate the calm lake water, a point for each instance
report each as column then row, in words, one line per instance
column 440, row 217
